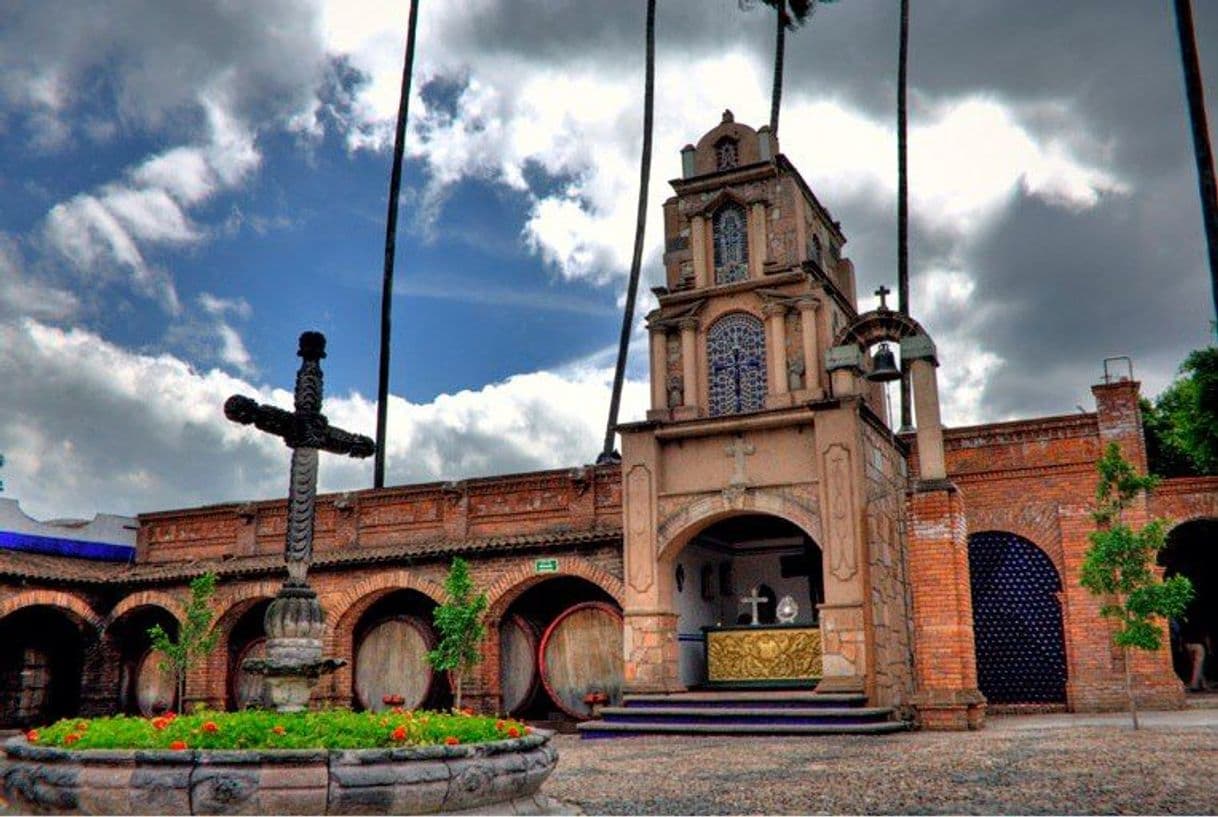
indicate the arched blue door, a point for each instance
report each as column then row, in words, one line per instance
column 1017, row 620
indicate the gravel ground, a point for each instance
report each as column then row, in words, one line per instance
column 1047, row 764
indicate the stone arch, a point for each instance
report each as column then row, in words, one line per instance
column 240, row 600
column 679, row 526
column 146, row 598
column 516, row 581
column 67, row 602
column 878, row 325
column 1019, row 620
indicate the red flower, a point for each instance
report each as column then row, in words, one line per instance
column 210, row 726
column 178, row 745
column 513, row 732
column 160, row 723
column 82, row 726
column 499, row 725
column 451, row 741
column 70, row 738
column 467, row 712
column 32, row 736
column 399, row 734
column 277, row 729
column 528, row 730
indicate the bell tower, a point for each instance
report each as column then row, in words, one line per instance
column 757, row 433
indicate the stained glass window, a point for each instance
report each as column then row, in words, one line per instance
column 731, row 245
column 1017, row 620
column 735, row 354
column 726, row 154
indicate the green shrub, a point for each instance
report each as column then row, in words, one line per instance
column 265, row 729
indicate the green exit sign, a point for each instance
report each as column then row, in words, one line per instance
column 546, row 565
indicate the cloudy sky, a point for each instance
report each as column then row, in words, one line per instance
column 185, row 186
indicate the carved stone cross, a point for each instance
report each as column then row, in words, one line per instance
column 739, row 449
column 306, row 431
column 295, row 621
column 883, row 292
column 753, row 600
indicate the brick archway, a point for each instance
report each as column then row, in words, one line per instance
column 515, row 582
column 235, row 603
column 52, row 598
column 349, row 606
column 147, row 598
column 1038, row 523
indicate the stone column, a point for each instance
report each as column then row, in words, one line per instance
column 689, row 363
column 807, row 319
column 845, row 366
column 919, row 353
column 776, row 353
column 758, row 249
column 697, row 242
column 659, row 368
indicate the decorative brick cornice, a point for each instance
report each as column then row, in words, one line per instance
column 1065, row 426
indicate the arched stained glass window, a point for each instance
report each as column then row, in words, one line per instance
column 731, row 245
column 727, row 154
column 735, row 356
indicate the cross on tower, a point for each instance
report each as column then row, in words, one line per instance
column 306, row 431
column 883, row 292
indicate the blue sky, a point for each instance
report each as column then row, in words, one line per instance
column 186, row 186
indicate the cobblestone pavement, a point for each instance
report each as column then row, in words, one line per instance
column 1049, row 764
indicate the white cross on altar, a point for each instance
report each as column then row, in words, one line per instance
column 739, row 449
column 753, row 600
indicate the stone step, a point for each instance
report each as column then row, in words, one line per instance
column 744, row 714
column 589, row 730
column 747, row 698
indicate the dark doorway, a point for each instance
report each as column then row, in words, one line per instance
column 41, row 657
column 1017, row 620
column 1192, row 551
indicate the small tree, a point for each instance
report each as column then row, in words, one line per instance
column 1119, row 568
column 461, row 627
column 195, row 637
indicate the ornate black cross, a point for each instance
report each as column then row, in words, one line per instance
column 883, row 292
column 737, row 369
column 306, row 431
column 295, row 621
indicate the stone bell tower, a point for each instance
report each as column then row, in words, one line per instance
column 753, row 416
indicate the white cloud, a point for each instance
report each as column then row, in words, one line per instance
column 157, row 437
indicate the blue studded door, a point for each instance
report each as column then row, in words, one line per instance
column 1017, row 620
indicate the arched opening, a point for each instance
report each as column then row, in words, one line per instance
column 247, row 639
column 390, row 667
column 745, row 556
column 144, row 688
column 1017, row 620
column 41, row 660
column 1192, row 551
column 560, row 641
column 729, row 228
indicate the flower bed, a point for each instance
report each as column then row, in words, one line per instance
column 331, row 761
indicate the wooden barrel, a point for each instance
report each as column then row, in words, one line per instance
column 34, row 696
column 249, row 691
column 155, row 688
column 518, row 677
column 581, row 653
column 391, row 660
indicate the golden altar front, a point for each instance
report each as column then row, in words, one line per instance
column 762, row 655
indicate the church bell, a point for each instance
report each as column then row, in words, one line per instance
column 884, row 366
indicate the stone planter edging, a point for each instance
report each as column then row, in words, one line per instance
column 415, row 780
